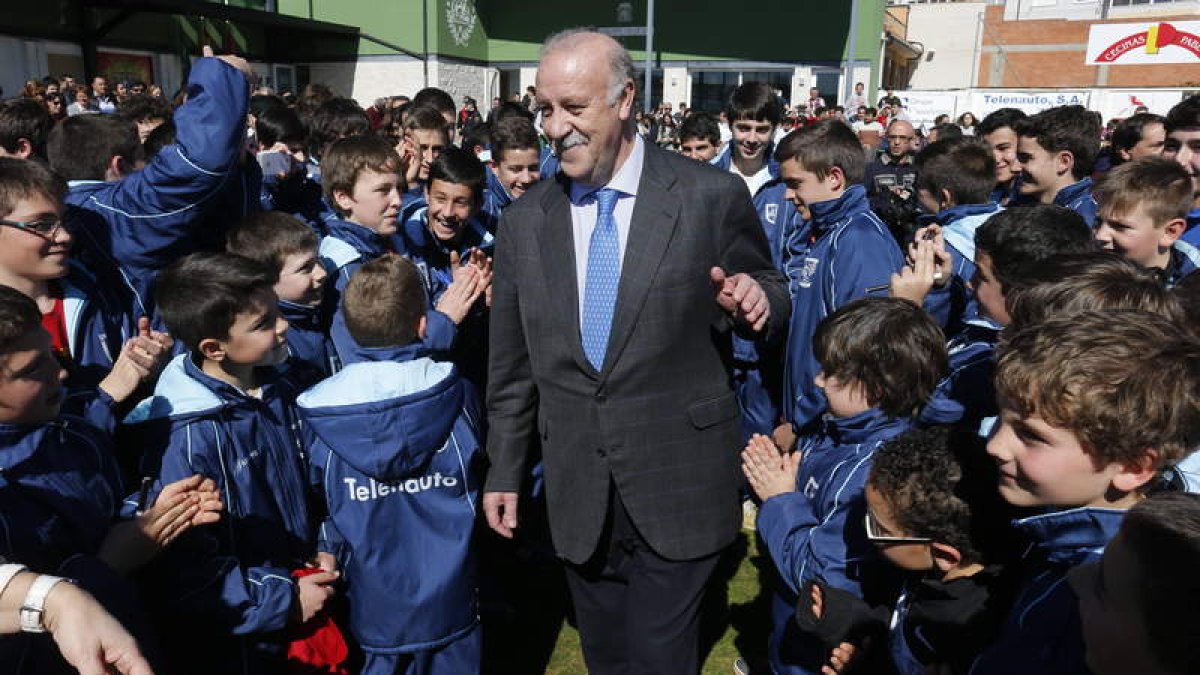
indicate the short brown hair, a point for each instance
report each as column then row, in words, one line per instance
column 1161, row 186
column 512, row 133
column 1121, row 380
column 348, row 157
column 823, row 145
column 890, row 347
column 19, row 315
column 1074, row 282
column 22, row 178
column 269, row 237
column 384, row 302
column 425, row 118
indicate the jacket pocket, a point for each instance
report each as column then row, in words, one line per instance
column 714, row 410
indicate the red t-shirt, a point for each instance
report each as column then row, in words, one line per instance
column 55, row 323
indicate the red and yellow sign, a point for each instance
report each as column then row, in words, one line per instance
column 1138, row 43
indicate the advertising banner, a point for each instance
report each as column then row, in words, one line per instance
column 1124, row 102
column 924, row 106
column 983, row 102
column 1144, row 43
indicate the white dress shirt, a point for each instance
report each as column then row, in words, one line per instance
column 583, row 213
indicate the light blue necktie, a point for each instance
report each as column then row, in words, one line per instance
column 603, row 276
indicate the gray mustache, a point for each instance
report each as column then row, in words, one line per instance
column 573, row 139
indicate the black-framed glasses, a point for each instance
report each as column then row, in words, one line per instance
column 873, row 534
column 42, row 227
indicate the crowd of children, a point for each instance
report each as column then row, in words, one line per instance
column 241, row 384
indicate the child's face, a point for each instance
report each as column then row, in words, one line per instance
column 1046, row 465
column 700, row 149
column 518, row 170
column 1110, row 610
column 258, row 336
column 301, row 279
column 450, row 207
column 31, row 255
column 426, row 145
column 751, row 138
column 911, row 555
column 375, row 201
column 1003, row 143
column 1153, row 138
column 846, row 399
column 1183, row 146
column 1041, row 171
column 31, row 379
column 1135, row 236
column 803, row 186
column 988, row 291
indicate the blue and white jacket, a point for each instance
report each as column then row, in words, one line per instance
column 98, row 321
column 816, row 532
column 969, row 383
column 1042, row 633
column 1185, row 259
column 1192, row 234
column 347, row 247
column 308, row 336
column 495, row 200
column 954, row 303
column 724, row 160
column 853, row 255
column 60, row 493
column 394, row 448
column 1078, row 197
column 128, row 230
column 230, row 582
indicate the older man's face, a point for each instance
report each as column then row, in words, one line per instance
column 586, row 129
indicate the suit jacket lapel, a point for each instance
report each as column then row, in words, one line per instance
column 655, row 214
column 557, row 252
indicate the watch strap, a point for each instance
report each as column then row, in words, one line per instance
column 8, row 572
column 33, row 609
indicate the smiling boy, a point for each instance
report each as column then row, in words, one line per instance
column 753, row 112
column 1056, row 151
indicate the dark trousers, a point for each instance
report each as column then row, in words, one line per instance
column 638, row 613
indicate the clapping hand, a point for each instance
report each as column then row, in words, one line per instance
column 768, row 472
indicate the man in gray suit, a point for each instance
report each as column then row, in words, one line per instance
column 617, row 287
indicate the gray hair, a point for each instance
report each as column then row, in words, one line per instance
column 620, row 64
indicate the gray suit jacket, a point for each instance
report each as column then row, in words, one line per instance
column 660, row 419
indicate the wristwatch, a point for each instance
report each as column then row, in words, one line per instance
column 33, row 608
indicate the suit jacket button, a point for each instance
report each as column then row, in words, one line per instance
column 601, row 397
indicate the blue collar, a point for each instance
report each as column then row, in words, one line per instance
column 827, row 214
column 1073, row 191
column 401, row 354
column 955, row 213
column 417, row 233
column 364, row 240
column 1193, row 218
column 300, row 316
column 1072, row 535
column 863, row 427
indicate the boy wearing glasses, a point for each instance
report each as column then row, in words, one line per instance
column 91, row 331
column 880, row 361
column 934, row 512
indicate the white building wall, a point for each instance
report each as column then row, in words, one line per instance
column 464, row 79
column 676, row 85
column 949, row 33
column 371, row 77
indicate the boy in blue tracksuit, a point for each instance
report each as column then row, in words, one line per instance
column 813, row 497
column 129, row 223
column 445, row 238
column 1092, row 406
column 514, row 166
column 425, row 137
column 849, row 254
column 754, row 112
column 225, row 410
column 1183, row 146
column 60, row 488
column 1143, row 214
column 1056, row 150
column 289, row 247
column 362, row 181
column 394, row 445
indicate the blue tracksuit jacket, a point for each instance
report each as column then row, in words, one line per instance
column 127, row 230
column 1185, row 259
column 60, row 492
column 954, row 303
column 228, row 586
column 1042, row 633
column 346, row 248
column 549, row 162
column 394, row 446
column 972, row 364
column 98, row 322
column 495, row 199
column 816, row 532
column 853, row 255
column 1078, row 197
column 724, row 160
column 1192, row 234
column 308, row 337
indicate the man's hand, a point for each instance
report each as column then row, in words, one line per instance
column 768, row 472
column 500, row 508
column 742, row 297
column 89, row 638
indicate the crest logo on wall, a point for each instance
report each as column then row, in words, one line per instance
column 460, row 20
